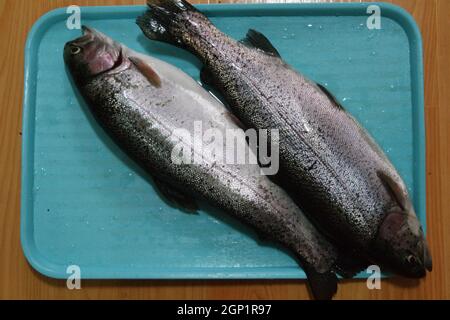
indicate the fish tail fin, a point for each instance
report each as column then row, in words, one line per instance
column 323, row 286
column 169, row 21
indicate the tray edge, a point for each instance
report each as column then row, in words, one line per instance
column 396, row 13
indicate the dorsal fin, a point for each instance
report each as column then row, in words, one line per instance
column 258, row 40
column 331, row 97
column 147, row 71
column 398, row 192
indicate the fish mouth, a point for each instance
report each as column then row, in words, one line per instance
column 427, row 261
column 88, row 35
column 424, row 264
column 86, row 30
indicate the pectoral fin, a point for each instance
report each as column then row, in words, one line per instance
column 397, row 191
column 147, row 71
column 176, row 197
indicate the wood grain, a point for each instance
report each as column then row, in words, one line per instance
column 19, row 281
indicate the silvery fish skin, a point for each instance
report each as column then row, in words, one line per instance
column 328, row 162
column 140, row 101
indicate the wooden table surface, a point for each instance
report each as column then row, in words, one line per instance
column 19, row 281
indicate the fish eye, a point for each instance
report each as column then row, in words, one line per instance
column 75, row 50
column 411, row 259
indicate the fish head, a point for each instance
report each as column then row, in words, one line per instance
column 92, row 54
column 401, row 244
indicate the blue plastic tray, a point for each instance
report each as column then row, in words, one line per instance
column 85, row 203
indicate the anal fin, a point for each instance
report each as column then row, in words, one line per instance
column 176, row 197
